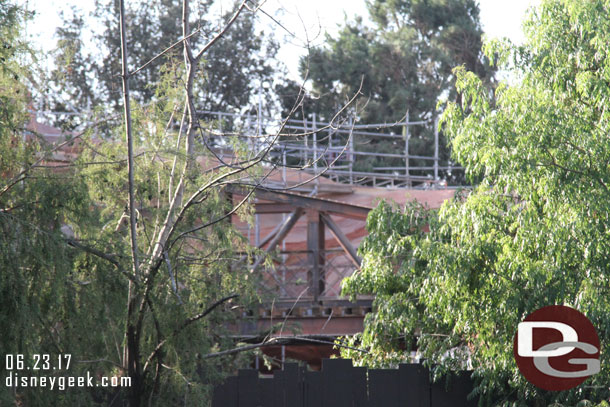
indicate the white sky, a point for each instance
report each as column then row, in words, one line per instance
column 500, row 18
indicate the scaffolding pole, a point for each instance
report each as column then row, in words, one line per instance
column 436, row 149
column 407, row 136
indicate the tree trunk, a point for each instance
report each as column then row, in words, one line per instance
column 130, row 351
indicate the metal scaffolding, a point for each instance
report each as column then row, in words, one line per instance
column 340, row 149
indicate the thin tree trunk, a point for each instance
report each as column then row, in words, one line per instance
column 189, row 115
column 130, row 351
column 140, row 289
column 129, row 139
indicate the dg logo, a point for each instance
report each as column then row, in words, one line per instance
column 556, row 348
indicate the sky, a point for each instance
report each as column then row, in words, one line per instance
column 305, row 19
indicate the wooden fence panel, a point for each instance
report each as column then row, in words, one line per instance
column 359, row 387
column 313, row 389
column 293, row 391
column 279, row 385
column 339, row 384
column 445, row 392
column 415, row 385
column 226, row 394
column 247, row 388
column 265, row 398
column 384, row 388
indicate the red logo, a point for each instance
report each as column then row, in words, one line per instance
column 556, row 348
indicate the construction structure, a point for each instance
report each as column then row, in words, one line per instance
column 310, row 217
column 338, row 149
column 313, row 240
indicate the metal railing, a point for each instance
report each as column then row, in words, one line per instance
column 341, row 150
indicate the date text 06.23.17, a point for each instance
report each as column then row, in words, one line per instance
column 37, row 362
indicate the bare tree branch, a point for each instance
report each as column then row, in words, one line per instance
column 129, row 139
column 223, row 31
column 166, row 50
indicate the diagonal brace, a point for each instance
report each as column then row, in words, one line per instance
column 281, row 234
column 342, row 239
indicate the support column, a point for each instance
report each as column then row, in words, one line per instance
column 315, row 246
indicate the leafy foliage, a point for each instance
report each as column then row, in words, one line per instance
column 65, row 256
column 234, row 69
column 198, row 267
column 403, row 63
column 52, row 296
column 535, row 232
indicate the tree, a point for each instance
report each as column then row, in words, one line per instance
column 52, row 296
column 234, row 70
column 72, row 77
column 534, row 232
column 404, row 62
column 178, row 253
column 124, row 258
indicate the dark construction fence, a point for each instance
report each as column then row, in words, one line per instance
column 339, row 384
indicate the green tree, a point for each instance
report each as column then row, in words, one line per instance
column 402, row 62
column 534, row 232
column 232, row 75
column 167, row 229
column 52, row 295
column 73, row 78
column 70, row 282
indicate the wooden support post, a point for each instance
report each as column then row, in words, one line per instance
column 315, row 246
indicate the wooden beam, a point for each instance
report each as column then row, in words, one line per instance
column 272, row 207
column 286, row 227
column 281, row 234
column 270, row 236
column 342, row 239
column 307, row 202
